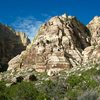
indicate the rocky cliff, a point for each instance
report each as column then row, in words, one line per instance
column 91, row 54
column 58, row 45
column 68, row 54
column 11, row 44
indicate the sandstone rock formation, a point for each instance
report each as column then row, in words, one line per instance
column 94, row 27
column 11, row 44
column 23, row 38
column 91, row 54
column 57, row 46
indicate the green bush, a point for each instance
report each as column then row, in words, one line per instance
column 74, row 80
column 77, row 86
column 22, row 91
column 42, row 96
column 3, row 91
column 55, row 89
column 88, row 95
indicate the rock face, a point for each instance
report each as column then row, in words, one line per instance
column 11, row 44
column 92, row 53
column 57, row 46
column 23, row 38
column 94, row 27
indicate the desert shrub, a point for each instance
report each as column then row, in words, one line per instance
column 88, row 78
column 74, row 80
column 77, row 84
column 22, row 91
column 53, row 89
column 80, row 85
column 3, row 91
column 47, row 87
column 88, row 95
column 98, row 72
column 42, row 96
column 72, row 94
column 2, row 86
column 3, row 97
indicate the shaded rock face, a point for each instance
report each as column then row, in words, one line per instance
column 58, row 46
column 11, row 44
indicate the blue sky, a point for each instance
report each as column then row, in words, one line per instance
column 32, row 13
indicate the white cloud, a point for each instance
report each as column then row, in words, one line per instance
column 29, row 25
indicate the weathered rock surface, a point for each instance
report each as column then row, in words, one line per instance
column 91, row 54
column 11, row 44
column 58, row 46
column 23, row 38
column 94, row 27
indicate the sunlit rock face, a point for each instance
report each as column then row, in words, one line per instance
column 23, row 38
column 11, row 44
column 92, row 53
column 94, row 27
column 57, row 46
